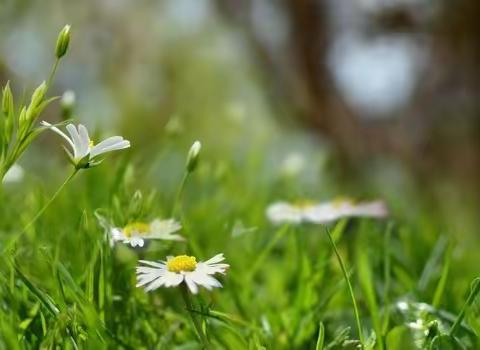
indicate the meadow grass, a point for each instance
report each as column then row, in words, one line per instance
column 395, row 283
column 63, row 285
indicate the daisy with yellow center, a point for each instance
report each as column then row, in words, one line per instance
column 324, row 212
column 136, row 233
column 181, row 268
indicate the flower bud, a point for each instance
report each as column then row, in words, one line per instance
column 36, row 100
column 38, row 95
column 193, row 154
column 63, row 41
column 7, row 101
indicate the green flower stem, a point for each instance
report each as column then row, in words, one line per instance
column 178, row 197
column 52, row 74
column 350, row 289
column 475, row 289
column 40, row 212
column 193, row 317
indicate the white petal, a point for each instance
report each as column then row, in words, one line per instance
column 117, row 146
column 282, row 212
column 212, row 269
column 84, row 138
column 59, row 132
column 191, row 284
column 377, row 209
column 173, row 279
column 77, row 142
column 136, row 241
column 217, row 258
column 110, row 144
column 324, row 213
column 117, row 234
column 153, row 263
column 202, row 279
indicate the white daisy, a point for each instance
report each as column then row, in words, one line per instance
column 321, row 213
column 85, row 152
column 136, row 233
column 178, row 269
column 14, row 174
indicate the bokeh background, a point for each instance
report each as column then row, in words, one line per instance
column 361, row 98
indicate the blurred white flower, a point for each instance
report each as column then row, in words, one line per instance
column 136, row 233
column 178, row 269
column 321, row 213
column 14, row 174
column 293, row 164
column 68, row 99
column 85, row 152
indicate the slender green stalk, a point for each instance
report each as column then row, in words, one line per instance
column 52, row 73
column 387, row 278
column 41, row 211
column 475, row 289
column 193, row 317
column 350, row 289
column 178, row 197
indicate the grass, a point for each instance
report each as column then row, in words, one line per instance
column 63, row 285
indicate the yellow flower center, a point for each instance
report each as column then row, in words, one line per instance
column 303, row 203
column 91, row 144
column 136, row 228
column 182, row 263
column 339, row 201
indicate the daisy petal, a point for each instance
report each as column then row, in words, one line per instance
column 217, row 258
column 191, row 284
column 59, row 132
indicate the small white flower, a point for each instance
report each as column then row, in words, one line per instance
column 136, row 233
column 68, row 99
column 293, row 164
column 322, row 213
column 178, row 269
column 85, row 153
column 14, row 174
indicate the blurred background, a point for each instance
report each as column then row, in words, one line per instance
column 368, row 98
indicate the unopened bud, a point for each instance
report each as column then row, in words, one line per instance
column 7, row 100
column 63, row 41
column 193, row 154
column 37, row 98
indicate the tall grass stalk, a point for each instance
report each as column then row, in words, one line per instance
column 349, row 284
column 196, row 323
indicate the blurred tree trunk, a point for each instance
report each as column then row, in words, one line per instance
column 441, row 124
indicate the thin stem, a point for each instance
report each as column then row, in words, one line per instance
column 386, row 276
column 193, row 317
column 41, row 211
column 52, row 73
column 350, row 289
column 179, row 194
column 475, row 289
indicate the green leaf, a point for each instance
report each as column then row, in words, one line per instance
column 321, row 337
column 400, row 338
